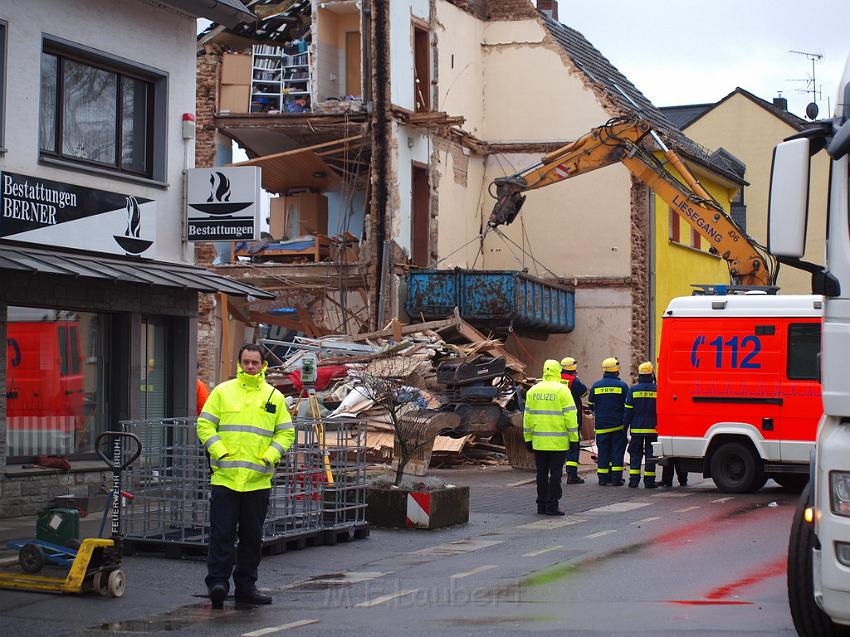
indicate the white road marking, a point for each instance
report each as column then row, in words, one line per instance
column 480, row 569
column 457, row 547
column 542, row 551
column 722, row 500
column 653, row 519
column 385, row 598
column 599, row 534
column 669, row 494
column 620, row 507
column 686, row 509
column 282, row 627
column 552, row 523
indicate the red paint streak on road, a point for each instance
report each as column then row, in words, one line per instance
column 707, row 602
column 765, row 571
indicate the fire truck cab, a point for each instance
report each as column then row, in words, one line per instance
column 739, row 396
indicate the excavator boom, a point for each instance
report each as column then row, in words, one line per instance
column 619, row 141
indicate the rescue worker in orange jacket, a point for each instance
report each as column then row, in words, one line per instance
column 245, row 427
column 640, row 419
column 579, row 391
column 607, row 400
column 548, row 428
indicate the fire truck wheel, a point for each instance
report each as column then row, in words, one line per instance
column 809, row 619
column 735, row 468
column 794, row 482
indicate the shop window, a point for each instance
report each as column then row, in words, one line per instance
column 101, row 112
column 803, row 351
column 55, row 381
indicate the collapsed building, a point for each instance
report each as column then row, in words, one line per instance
column 379, row 125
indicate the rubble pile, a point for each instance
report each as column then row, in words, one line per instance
column 444, row 378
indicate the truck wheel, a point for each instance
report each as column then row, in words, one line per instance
column 809, row 619
column 736, row 469
column 794, row 482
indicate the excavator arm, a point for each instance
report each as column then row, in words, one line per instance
column 619, row 141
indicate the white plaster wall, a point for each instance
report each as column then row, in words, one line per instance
column 413, row 144
column 530, row 92
column 159, row 38
column 460, row 73
column 401, row 49
column 603, row 329
column 461, row 207
column 578, row 227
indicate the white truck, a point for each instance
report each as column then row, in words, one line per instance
column 819, row 545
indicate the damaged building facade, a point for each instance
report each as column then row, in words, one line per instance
column 452, row 94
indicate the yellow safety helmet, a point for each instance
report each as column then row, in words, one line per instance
column 646, row 368
column 611, row 365
column 568, row 364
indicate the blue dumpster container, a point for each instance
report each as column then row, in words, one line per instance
column 492, row 298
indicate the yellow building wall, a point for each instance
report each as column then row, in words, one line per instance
column 677, row 265
column 750, row 133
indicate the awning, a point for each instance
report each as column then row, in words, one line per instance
column 116, row 269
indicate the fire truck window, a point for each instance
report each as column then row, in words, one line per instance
column 63, row 350
column 803, row 351
column 55, row 401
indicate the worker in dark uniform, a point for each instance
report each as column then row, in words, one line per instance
column 579, row 391
column 640, row 419
column 607, row 400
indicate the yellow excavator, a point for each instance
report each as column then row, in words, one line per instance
column 619, row 140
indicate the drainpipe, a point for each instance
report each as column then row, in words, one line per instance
column 651, row 268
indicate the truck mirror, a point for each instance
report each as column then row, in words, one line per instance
column 788, row 205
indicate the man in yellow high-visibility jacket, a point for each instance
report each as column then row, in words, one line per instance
column 549, row 426
column 245, row 427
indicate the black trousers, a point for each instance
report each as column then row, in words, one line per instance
column 667, row 473
column 236, row 514
column 550, row 467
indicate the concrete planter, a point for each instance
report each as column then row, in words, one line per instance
column 403, row 508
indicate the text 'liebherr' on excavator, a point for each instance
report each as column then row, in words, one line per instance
column 619, row 140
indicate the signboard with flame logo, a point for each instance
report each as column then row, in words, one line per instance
column 55, row 214
column 224, row 204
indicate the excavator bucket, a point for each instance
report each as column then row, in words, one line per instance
column 508, row 204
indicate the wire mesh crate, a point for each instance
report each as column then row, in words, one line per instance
column 319, row 484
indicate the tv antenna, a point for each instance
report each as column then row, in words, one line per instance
column 811, row 84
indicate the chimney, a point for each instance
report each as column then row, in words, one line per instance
column 549, row 7
column 780, row 102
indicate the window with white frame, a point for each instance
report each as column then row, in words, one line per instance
column 100, row 111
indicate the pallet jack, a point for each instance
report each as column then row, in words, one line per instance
column 95, row 566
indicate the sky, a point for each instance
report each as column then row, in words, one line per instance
column 699, row 51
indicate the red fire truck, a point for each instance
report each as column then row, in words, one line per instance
column 44, row 386
column 739, row 396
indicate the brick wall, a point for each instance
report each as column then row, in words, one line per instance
column 640, row 269
column 208, row 72
column 26, row 495
column 206, row 96
column 548, row 5
column 512, row 9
